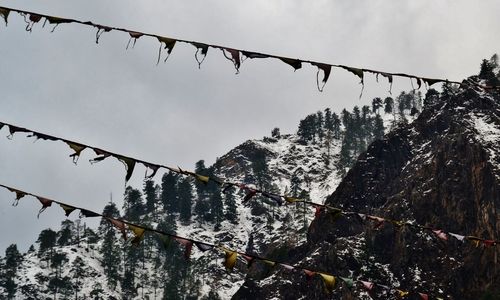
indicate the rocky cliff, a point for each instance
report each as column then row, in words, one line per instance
column 443, row 171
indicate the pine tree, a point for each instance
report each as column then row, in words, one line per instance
column 168, row 195
column 111, row 254
column 275, row 133
column 307, row 128
column 149, row 191
column 230, row 202
column 47, row 240
column 65, row 235
column 431, row 97
column 216, row 209
column 376, row 104
column 336, row 125
column 319, row 126
column 388, row 105
column 12, row 261
column 378, row 128
column 185, row 196
column 133, row 205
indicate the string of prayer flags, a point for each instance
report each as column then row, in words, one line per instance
column 231, row 256
column 234, row 54
column 250, row 192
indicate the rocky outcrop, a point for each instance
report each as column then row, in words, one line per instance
column 441, row 171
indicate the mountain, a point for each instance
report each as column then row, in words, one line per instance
column 66, row 262
column 436, row 168
column 442, row 171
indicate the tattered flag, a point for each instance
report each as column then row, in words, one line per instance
column 169, row 45
column 78, row 148
column 326, row 74
column 348, row 281
column 379, row 222
column 423, row 296
column 489, row 243
column 309, row 274
column 230, row 259
column 457, row 236
column 19, row 195
column 138, row 234
column 166, row 240
column 56, row 21
column 41, row 136
column 133, row 35
column 359, row 73
column 101, row 155
column 32, row 19
column 13, row 129
column 287, row 267
column 402, row 293
column 250, row 193
column 88, row 214
column 67, row 209
column 367, row 285
column 203, row 179
column 129, row 166
column 100, row 31
column 250, row 260
column 153, row 168
column 45, row 203
column 430, row 81
column 235, row 57
column 120, row 225
column 292, row 199
column 440, row 234
column 329, row 281
column 274, row 197
column 188, row 245
column 294, row 63
column 252, row 55
column 318, row 209
column 390, row 79
column 4, row 12
column 203, row 247
column 203, row 50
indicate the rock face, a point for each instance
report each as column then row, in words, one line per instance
column 442, row 171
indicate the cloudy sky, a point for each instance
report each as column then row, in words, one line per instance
column 64, row 84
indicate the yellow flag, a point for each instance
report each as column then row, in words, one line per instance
column 201, row 178
column 67, row 209
column 291, row 199
column 230, row 259
column 329, row 281
column 138, row 232
column 403, row 293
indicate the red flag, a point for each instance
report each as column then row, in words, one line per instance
column 423, row 296
column 441, row 234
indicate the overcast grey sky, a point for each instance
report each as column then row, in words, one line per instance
column 64, row 84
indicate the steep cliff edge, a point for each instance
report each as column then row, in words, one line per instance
column 443, row 171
